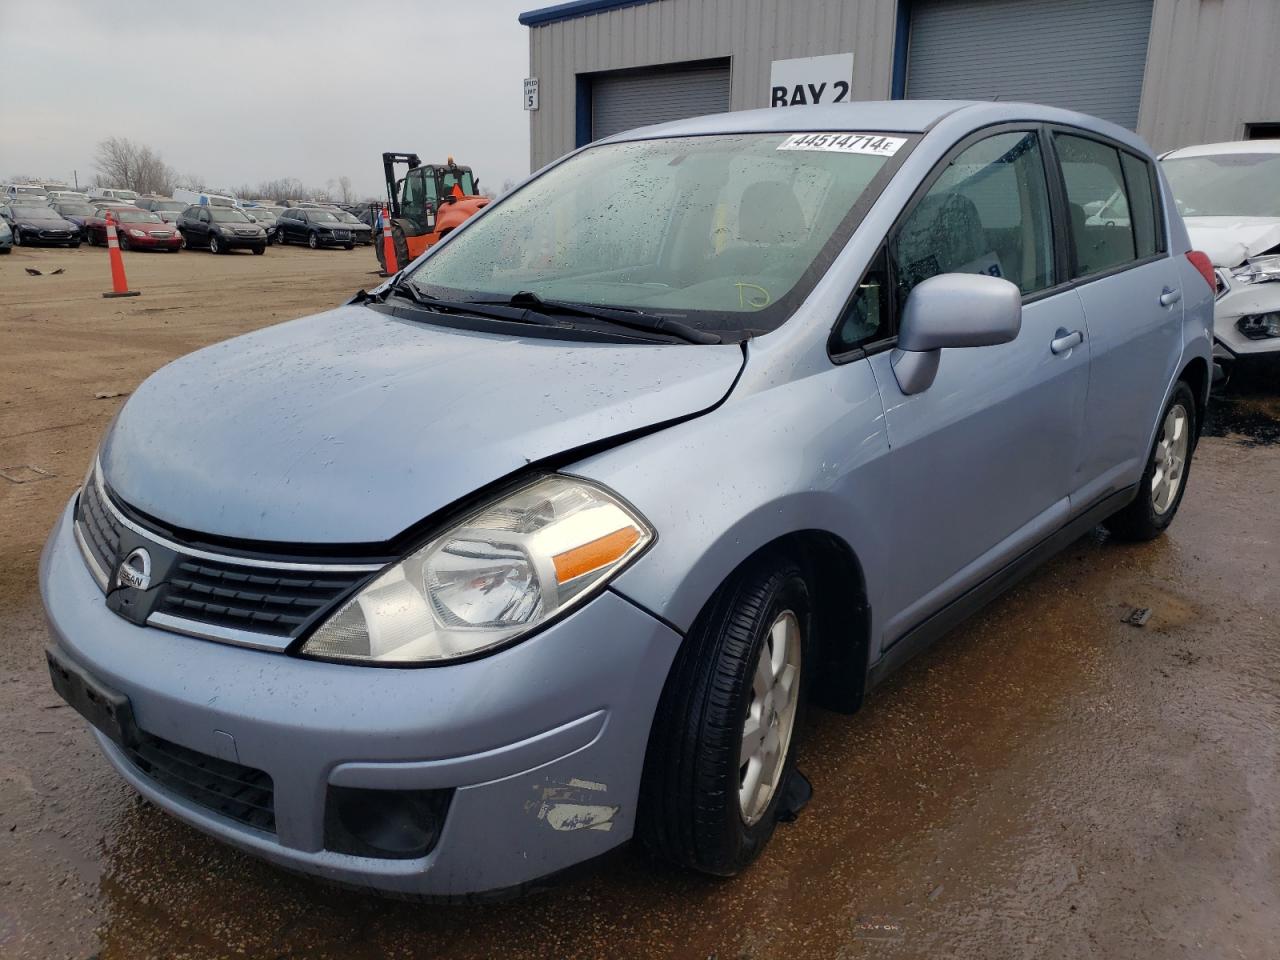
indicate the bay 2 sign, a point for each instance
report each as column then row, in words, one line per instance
column 808, row 80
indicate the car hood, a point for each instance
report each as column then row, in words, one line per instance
column 49, row 223
column 350, row 426
column 1229, row 241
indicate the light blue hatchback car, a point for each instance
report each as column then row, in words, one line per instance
column 546, row 542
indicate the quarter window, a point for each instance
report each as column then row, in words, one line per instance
column 1102, row 227
column 988, row 213
column 1137, row 180
column 866, row 319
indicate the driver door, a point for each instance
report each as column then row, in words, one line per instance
column 983, row 459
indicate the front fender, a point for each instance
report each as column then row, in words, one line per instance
column 799, row 456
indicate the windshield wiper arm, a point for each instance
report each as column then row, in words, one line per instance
column 479, row 308
column 622, row 316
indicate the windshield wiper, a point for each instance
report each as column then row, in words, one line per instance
column 622, row 316
column 479, row 308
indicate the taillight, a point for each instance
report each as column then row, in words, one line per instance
column 1204, row 265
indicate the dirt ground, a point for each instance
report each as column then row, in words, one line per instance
column 1047, row 782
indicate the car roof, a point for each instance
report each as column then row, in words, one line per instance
column 880, row 116
column 1229, row 146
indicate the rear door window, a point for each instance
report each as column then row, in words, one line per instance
column 1099, row 206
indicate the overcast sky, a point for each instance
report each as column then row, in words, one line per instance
column 250, row 90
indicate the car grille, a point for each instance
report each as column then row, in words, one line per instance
column 342, row 234
column 161, row 234
column 55, row 234
column 278, row 601
column 264, row 601
column 240, row 793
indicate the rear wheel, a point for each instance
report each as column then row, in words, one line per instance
column 1164, row 480
column 722, row 746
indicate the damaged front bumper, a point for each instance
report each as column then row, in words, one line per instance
column 534, row 754
column 1246, row 318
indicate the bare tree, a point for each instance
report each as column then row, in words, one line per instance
column 123, row 163
column 344, row 186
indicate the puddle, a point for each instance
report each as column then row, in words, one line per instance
column 1248, row 409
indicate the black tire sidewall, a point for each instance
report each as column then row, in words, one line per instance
column 690, row 812
column 1139, row 520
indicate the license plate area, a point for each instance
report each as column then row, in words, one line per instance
column 108, row 711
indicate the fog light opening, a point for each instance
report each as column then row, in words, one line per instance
column 388, row 824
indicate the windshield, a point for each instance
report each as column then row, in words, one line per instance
column 728, row 232
column 461, row 178
column 346, row 217
column 175, row 205
column 135, row 216
column 260, row 214
column 28, row 192
column 76, row 209
column 34, row 212
column 321, row 216
column 1226, row 184
column 125, row 195
column 226, row 215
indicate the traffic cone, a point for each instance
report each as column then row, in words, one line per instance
column 390, row 265
column 119, row 285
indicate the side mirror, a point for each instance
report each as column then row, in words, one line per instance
column 952, row 310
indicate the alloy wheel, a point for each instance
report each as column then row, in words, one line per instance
column 770, row 719
column 1171, row 458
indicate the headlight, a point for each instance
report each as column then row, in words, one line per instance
column 499, row 573
column 136, row 233
column 1258, row 270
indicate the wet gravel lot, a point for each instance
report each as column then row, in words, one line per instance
column 1049, row 781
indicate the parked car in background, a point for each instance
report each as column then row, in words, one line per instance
column 427, row 557
column 264, row 218
column 314, row 227
column 135, row 230
column 76, row 211
column 1229, row 196
column 200, row 198
column 59, row 196
column 221, row 229
column 6, row 236
column 362, row 232
column 38, row 224
column 25, row 193
column 112, row 193
column 166, row 208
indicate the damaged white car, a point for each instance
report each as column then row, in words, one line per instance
column 1229, row 195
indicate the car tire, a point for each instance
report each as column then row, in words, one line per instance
column 741, row 665
column 4, row 250
column 17, row 238
column 259, row 250
column 1164, row 480
column 348, row 246
column 313, row 241
column 74, row 244
column 122, row 241
column 215, row 245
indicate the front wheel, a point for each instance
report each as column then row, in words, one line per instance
column 1165, row 478
column 123, row 242
column 215, row 245
column 259, row 251
column 348, row 246
column 313, row 241
column 722, row 747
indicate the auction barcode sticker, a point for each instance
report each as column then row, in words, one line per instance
column 870, row 144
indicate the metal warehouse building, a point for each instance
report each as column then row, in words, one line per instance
column 1177, row 71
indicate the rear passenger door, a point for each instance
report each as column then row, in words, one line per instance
column 1129, row 288
column 983, row 459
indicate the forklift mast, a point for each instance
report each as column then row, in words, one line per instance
column 389, row 160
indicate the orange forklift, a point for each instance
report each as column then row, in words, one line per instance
column 426, row 203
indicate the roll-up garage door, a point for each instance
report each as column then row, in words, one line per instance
column 623, row 101
column 1085, row 55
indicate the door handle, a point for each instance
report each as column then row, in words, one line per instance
column 1064, row 341
column 1169, row 296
